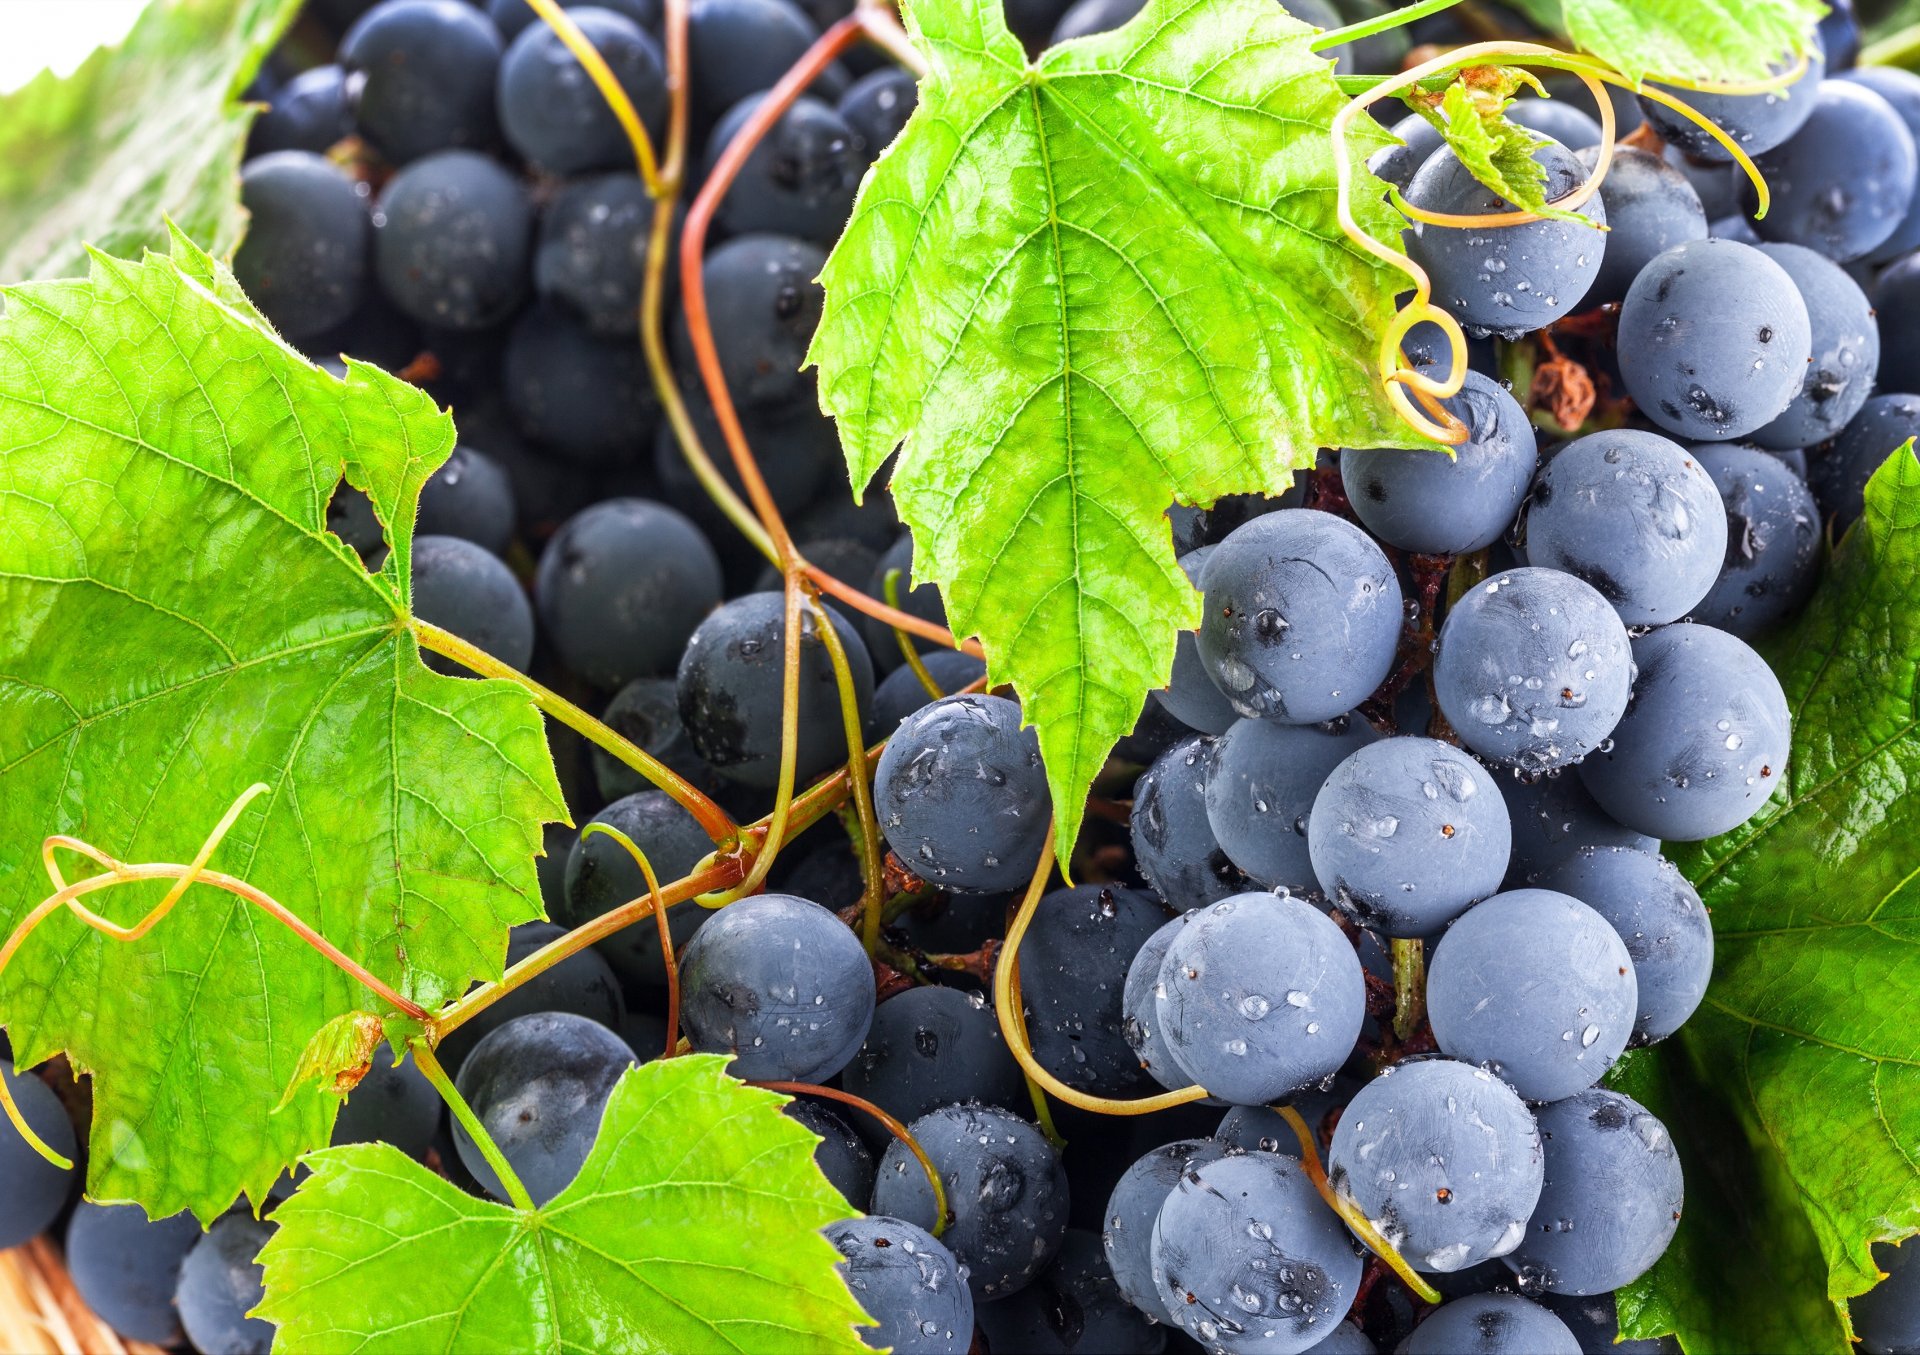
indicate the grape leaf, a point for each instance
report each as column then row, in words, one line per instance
column 1079, row 289
column 152, row 127
column 175, row 624
column 1724, row 40
column 693, row 1226
column 1806, row 1043
column 1497, row 152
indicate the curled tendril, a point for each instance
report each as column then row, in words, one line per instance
column 115, row 872
column 659, row 921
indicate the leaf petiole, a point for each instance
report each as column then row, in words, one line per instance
column 1380, row 23
column 429, row 1065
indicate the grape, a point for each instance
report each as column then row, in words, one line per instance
column 842, row 1158
column 1846, row 352
column 539, row 1085
column 1190, row 695
column 556, row 117
column 513, row 17
column 601, row 876
column 929, row 1047
column 901, row 692
column 1132, row 1208
column 1536, row 987
column 1073, row 966
column 582, row 985
column 800, row 179
column 1901, row 90
column 1838, row 476
column 427, row 70
column 1006, row 1193
column 781, row 984
column 1398, row 164
column 1491, row 1324
column 1651, row 207
column 1407, row 834
column 1260, row 996
column 451, row 239
column 126, row 1267
column 877, row 106
column 462, row 588
column 1704, row 743
column 621, row 588
column 1260, row 791
column 1247, row 1257
column 1197, row 527
column 764, row 303
column 469, row 497
column 1755, row 122
column 1553, row 819
column 587, row 398
column 1842, row 185
column 592, row 251
column 1714, row 340
column 1088, row 17
column 35, row 1190
column 309, row 113
column 1773, row 541
column 1611, row 1201
column 961, row 794
column 376, row 333
column 740, row 47
column 646, row 712
column 1173, row 844
column 792, row 447
column 1594, row 1321
column 1429, row 502
column 1635, row 516
column 1533, row 669
column 304, row 259
column 1718, row 184
column 1345, row 1339
column 1558, row 121
column 909, row 1284
column 916, row 599
column 1445, row 1160
column 1263, row 1129
column 1303, row 616
column 1886, row 1318
column 220, row 1283
column 393, row 1103
column 1139, row 1010
column 1073, row 1306
column 1544, row 267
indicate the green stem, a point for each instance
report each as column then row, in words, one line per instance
column 1409, row 986
column 778, row 823
column 910, row 651
column 872, row 877
column 429, row 1065
column 1468, row 572
column 1380, row 23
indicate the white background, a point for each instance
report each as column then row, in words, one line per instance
column 37, row 34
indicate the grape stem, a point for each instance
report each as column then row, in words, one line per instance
column 429, row 1065
column 1380, row 23
column 609, row 86
column 1409, row 986
column 660, row 923
column 1349, row 1212
column 940, row 1215
column 872, row 892
column 908, row 650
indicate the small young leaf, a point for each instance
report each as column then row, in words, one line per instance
column 176, row 623
column 152, row 127
column 1723, row 40
column 693, row 1226
column 338, row 1055
column 1807, row 1037
column 1079, row 289
column 1499, row 153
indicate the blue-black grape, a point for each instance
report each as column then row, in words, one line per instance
column 920, row 599
column 1431, row 502
column 592, row 250
column 1073, row 966
column 1714, row 340
column 1842, row 184
column 1190, row 695
column 585, row 397
column 1773, row 541
column 929, row 1047
column 1717, row 182
column 730, row 691
column 646, row 712
column 1209, row 526
column 1594, row 1320
column 1140, row 1011
column 1887, row 1317
column 1260, row 792
column 1127, row 1224
column 602, row 875
column 1093, row 16
column 469, row 497
column 1490, row 1324
column 901, row 692
column 426, row 70
column 1846, row 352
column 513, row 17
column 452, row 236
column 1407, row 834
column 1258, row 997
column 1536, row 987
column 1545, row 267
column 1559, row 121
column 1006, row 1193
column 764, row 304
column 1611, row 1201
column 309, row 113
column 781, row 984
column 877, row 106
column 800, row 179
column 740, row 47
column 1533, row 668
column 1444, row 1159
column 1345, row 1339
column 1838, row 476
column 1303, row 616
column 556, row 117
column 582, row 984
column 464, row 588
column 303, row 261
column 35, row 1190
column 1398, row 164
column 1173, row 843
column 1704, row 743
column 539, row 1084
column 127, row 1266
column 843, row 1159
column 220, row 1283
column 1901, row 90
column 961, row 795
column 1755, row 122
column 621, row 588
column 908, row 1283
column 393, row 1103
column 1651, row 207
column 791, row 445
column 1635, row 516
column 1073, row 1307
column 1553, row 819
column 1248, row 1258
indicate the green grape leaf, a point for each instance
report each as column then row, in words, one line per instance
column 1496, row 151
column 1711, row 40
column 1805, row 1050
column 1079, row 289
column 693, row 1226
column 150, row 128
column 176, row 624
